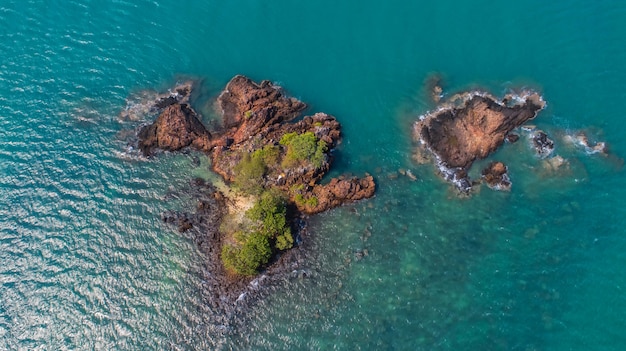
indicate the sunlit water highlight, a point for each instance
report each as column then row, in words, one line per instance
column 85, row 262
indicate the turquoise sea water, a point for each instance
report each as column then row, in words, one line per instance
column 85, row 262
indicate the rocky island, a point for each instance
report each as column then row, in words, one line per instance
column 469, row 127
column 274, row 168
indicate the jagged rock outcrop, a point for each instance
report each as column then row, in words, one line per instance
column 176, row 127
column 248, row 108
column 148, row 102
column 542, row 143
column 471, row 127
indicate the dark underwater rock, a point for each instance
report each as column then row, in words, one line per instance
column 542, row 143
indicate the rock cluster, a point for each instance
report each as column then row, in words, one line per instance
column 542, row 143
column 255, row 116
column 496, row 176
column 470, row 127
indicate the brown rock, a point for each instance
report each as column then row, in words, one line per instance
column 175, row 128
column 251, row 107
column 496, row 176
column 458, row 134
column 337, row 192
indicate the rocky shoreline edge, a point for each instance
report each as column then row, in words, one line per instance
column 252, row 230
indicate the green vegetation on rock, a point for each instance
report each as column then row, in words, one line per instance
column 249, row 172
column 309, row 202
column 305, row 147
column 269, row 231
column 249, row 255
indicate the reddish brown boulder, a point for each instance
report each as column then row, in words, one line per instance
column 337, row 192
column 176, row 127
column 496, row 176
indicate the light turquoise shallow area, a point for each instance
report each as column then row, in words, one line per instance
column 85, row 262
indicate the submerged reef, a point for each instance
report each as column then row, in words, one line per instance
column 272, row 168
column 469, row 127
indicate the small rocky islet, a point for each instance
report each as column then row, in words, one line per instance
column 471, row 126
column 273, row 167
column 254, row 130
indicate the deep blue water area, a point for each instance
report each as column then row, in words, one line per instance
column 86, row 263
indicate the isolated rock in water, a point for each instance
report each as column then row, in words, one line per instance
column 581, row 140
column 434, row 87
column 496, row 176
column 543, row 145
column 258, row 149
column 176, row 127
column 471, row 127
column 512, row 138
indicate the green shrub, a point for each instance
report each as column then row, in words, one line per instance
column 287, row 138
column 253, row 246
column 296, row 187
column 271, row 214
column 284, row 241
column 269, row 154
column 249, row 172
column 312, row 201
column 252, row 254
column 269, row 202
column 303, row 147
column 302, row 201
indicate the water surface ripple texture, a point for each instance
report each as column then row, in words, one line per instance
column 86, row 264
